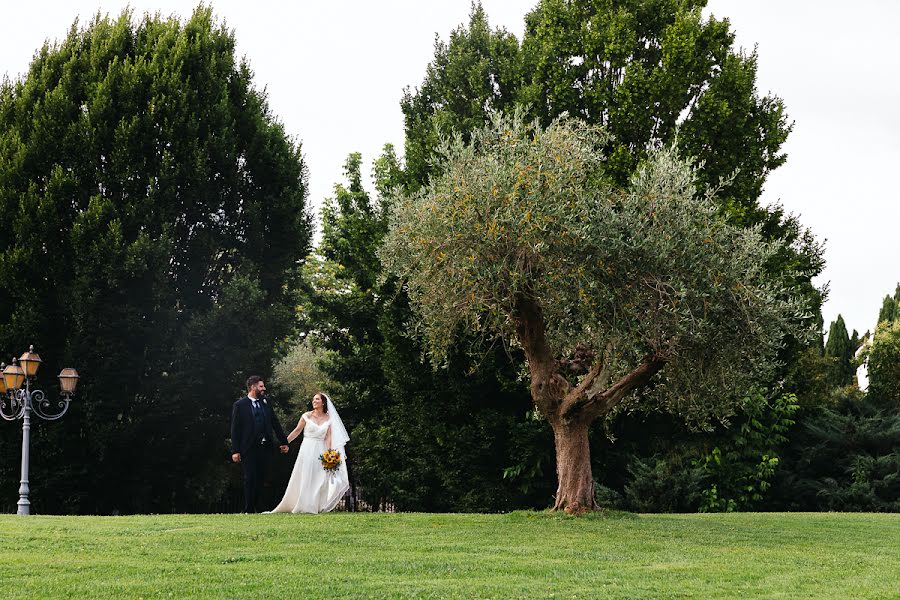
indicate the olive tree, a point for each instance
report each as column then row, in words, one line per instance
column 615, row 295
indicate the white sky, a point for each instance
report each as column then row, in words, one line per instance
column 335, row 71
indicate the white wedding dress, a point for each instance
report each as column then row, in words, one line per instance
column 312, row 489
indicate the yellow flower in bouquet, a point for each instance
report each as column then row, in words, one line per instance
column 331, row 460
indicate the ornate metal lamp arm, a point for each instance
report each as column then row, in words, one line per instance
column 47, row 410
column 12, row 405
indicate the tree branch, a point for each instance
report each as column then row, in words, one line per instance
column 598, row 403
column 593, row 381
column 548, row 387
column 531, row 330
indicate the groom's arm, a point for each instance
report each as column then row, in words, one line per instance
column 276, row 426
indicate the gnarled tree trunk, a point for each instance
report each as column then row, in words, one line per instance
column 569, row 410
column 575, row 493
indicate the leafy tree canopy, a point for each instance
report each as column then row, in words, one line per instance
column 648, row 71
column 522, row 236
column 524, row 212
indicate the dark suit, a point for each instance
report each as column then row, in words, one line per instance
column 254, row 439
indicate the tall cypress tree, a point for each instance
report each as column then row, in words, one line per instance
column 890, row 307
column 839, row 350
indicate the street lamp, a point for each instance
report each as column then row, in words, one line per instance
column 18, row 402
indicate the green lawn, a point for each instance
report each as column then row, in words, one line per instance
column 536, row 555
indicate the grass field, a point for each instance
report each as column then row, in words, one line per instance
column 537, row 555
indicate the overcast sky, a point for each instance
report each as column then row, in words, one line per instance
column 335, row 72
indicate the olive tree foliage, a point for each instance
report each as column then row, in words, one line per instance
column 523, row 236
column 648, row 71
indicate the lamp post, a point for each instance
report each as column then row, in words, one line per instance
column 19, row 401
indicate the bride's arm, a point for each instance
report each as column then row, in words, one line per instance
column 296, row 432
column 328, row 438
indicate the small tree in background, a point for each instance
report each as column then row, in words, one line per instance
column 890, row 307
column 607, row 291
column 882, row 353
column 840, row 350
column 299, row 376
column 883, row 362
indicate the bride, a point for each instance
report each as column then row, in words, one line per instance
column 311, row 489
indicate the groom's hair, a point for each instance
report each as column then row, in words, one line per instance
column 253, row 380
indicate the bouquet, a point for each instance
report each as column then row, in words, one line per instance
column 331, row 460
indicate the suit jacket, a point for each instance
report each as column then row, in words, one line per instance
column 244, row 434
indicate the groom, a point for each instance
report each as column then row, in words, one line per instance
column 254, row 428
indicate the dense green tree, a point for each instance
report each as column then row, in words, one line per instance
column 477, row 71
column 844, row 457
column 642, row 67
column 840, row 352
column 346, row 317
column 739, row 469
column 882, row 353
column 394, row 403
column 890, row 307
column 157, row 213
column 646, row 70
column 522, row 237
column 883, row 362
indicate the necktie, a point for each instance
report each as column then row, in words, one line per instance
column 258, row 416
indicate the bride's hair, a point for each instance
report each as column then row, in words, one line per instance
column 324, row 398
